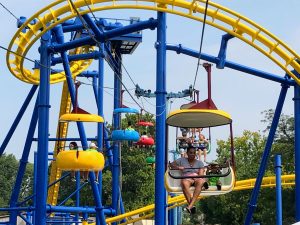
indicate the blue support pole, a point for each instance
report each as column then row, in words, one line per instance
column 61, row 47
column 18, row 118
column 77, row 175
column 34, row 181
column 60, row 39
column 98, row 31
column 100, row 98
column 100, row 218
column 95, row 89
column 71, row 58
column 51, row 209
column 171, row 217
column 71, row 195
column 116, row 125
column 266, row 153
column 104, row 35
column 43, row 132
column 28, row 217
column 278, row 190
column 108, row 154
column 135, row 27
column 179, row 215
column 222, row 51
column 172, row 213
column 180, row 49
column 160, row 192
column 175, row 216
column 297, row 149
column 23, row 162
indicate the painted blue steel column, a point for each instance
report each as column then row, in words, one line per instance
column 100, row 219
column 100, row 126
column 179, row 215
column 23, row 162
column 278, row 190
column 171, row 217
column 100, row 98
column 77, row 176
column 175, row 216
column 43, row 132
column 18, row 118
column 160, row 192
column 297, row 149
column 116, row 146
column 34, row 181
column 60, row 39
column 109, row 154
column 266, row 153
column 232, row 65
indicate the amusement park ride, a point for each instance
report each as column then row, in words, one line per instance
column 95, row 39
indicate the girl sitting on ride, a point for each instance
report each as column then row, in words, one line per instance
column 202, row 146
column 73, row 146
column 92, row 148
column 183, row 143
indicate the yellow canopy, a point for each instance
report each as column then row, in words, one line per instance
column 77, row 117
column 194, row 118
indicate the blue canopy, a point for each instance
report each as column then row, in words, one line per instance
column 126, row 110
column 125, row 135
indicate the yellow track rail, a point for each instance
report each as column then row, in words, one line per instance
column 217, row 16
column 286, row 180
column 62, row 130
column 148, row 211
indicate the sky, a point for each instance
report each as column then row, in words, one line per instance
column 242, row 95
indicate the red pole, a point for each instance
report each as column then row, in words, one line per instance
column 207, row 67
column 232, row 148
column 77, row 84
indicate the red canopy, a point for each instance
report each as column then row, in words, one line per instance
column 145, row 124
column 145, row 141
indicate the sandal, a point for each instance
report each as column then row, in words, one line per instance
column 205, row 185
column 193, row 210
column 188, row 210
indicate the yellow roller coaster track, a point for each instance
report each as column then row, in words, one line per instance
column 217, row 16
column 148, row 211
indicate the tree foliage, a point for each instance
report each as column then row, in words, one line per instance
column 8, row 169
column 231, row 208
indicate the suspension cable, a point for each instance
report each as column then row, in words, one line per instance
column 31, row 60
column 9, row 11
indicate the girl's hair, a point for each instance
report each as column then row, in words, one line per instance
column 189, row 148
column 74, row 144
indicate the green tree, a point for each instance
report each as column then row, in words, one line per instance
column 8, row 169
column 231, row 208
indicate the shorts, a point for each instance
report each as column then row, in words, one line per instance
column 192, row 180
column 195, row 145
column 184, row 145
column 202, row 148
